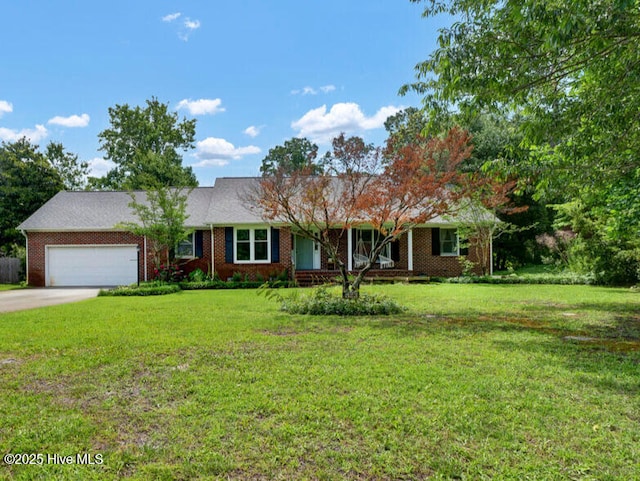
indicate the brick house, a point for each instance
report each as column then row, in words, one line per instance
column 73, row 240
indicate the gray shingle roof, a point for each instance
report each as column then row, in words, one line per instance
column 104, row 210
column 223, row 204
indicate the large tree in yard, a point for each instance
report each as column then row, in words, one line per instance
column 390, row 191
column 145, row 144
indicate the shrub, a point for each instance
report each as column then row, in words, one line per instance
column 168, row 273
column 143, row 290
column 198, row 276
column 322, row 302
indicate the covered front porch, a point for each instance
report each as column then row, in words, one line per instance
column 314, row 266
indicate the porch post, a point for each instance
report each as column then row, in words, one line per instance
column 410, row 250
column 349, row 250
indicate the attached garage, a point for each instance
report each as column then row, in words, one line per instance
column 91, row 265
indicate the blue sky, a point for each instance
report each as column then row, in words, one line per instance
column 253, row 73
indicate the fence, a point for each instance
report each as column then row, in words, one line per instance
column 9, row 270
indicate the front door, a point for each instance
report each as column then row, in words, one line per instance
column 307, row 254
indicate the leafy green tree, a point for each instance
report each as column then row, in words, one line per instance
column 407, row 127
column 295, row 155
column 572, row 71
column 27, row 181
column 162, row 215
column 144, row 143
column 73, row 172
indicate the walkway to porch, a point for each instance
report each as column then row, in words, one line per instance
column 307, row 278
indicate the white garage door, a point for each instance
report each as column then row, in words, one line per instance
column 91, row 265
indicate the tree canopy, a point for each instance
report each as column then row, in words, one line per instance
column 296, row 154
column 572, row 69
column 27, row 181
column 144, row 143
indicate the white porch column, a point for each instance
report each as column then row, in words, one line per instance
column 349, row 250
column 410, row 249
column 145, row 259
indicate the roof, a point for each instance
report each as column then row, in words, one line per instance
column 86, row 210
column 226, row 203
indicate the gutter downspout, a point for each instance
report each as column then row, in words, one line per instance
column 145, row 259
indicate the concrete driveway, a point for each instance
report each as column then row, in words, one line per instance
column 21, row 299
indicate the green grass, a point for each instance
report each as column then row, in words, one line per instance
column 9, row 287
column 473, row 382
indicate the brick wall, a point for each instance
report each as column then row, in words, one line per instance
column 226, row 270
column 39, row 240
column 425, row 263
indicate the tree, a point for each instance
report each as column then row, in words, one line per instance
column 407, row 126
column 162, row 215
column 296, row 154
column 485, row 200
column 27, row 181
column 572, row 71
column 144, row 145
column 357, row 188
column 72, row 172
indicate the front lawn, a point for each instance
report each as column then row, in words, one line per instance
column 473, row 382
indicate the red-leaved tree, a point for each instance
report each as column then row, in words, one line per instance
column 390, row 190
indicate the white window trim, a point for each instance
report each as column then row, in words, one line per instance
column 387, row 248
column 450, row 254
column 192, row 236
column 252, row 251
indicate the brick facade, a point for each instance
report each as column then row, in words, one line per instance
column 226, row 270
column 424, row 263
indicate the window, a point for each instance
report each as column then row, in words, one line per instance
column 252, row 245
column 186, row 247
column 366, row 240
column 449, row 242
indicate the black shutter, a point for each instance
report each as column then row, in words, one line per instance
column 228, row 245
column 395, row 251
column 464, row 250
column 435, row 241
column 275, row 245
column 198, row 240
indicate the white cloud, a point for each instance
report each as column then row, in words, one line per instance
column 321, row 126
column 201, row 106
column 213, row 151
column 71, row 121
column 313, row 91
column 192, row 24
column 34, row 135
column 5, row 107
column 188, row 27
column 252, row 131
column 171, row 17
column 98, row 167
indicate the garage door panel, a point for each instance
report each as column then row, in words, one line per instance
column 91, row 265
